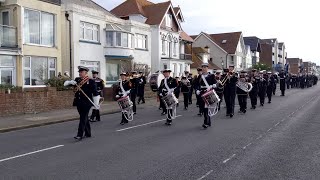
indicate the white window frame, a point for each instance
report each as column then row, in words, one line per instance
column 169, row 20
column 29, row 69
column 164, row 47
column 144, row 40
column 94, row 28
column 12, row 68
column 40, row 20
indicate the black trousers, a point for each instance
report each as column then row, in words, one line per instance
column 141, row 98
column 269, row 94
column 124, row 120
column 221, row 99
column 95, row 114
column 282, row 92
column 169, row 115
column 207, row 119
column 186, row 99
column 262, row 96
column 274, row 88
column 230, row 100
column 200, row 103
column 84, row 125
column 133, row 97
column 253, row 98
column 242, row 99
column 190, row 96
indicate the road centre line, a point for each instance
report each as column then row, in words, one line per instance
column 247, row 146
column 269, row 130
column 119, row 130
column 204, row 176
column 225, row 161
column 277, row 124
column 33, row 152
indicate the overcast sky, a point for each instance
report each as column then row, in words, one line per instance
column 295, row 22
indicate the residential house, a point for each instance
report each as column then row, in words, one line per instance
column 247, row 64
column 266, row 56
column 255, row 47
column 97, row 39
column 278, row 53
column 226, row 49
column 168, row 38
column 307, row 67
column 282, row 54
column 295, row 65
column 199, row 56
column 30, row 51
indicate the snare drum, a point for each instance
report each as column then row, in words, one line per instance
column 125, row 103
column 170, row 100
column 210, row 98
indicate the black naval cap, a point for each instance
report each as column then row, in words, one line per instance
column 123, row 74
column 95, row 72
column 133, row 72
column 253, row 70
column 166, row 70
column 226, row 70
column 199, row 69
column 82, row 68
column 140, row 72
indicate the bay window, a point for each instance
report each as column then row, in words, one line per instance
column 39, row 27
column 36, row 70
column 119, row 39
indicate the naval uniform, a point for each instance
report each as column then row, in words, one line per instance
column 83, row 104
column 282, row 83
column 100, row 86
column 163, row 91
column 230, row 94
column 126, row 87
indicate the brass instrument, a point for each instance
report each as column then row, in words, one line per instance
column 227, row 77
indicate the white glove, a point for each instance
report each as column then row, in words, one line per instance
column 68, row 83
column 161, row 94
column 198, row 92
column 214, row 85
column 117, row 96
column 170, row 91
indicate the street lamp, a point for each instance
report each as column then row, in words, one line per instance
column 222, row 63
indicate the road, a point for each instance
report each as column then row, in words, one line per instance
column 277, row 141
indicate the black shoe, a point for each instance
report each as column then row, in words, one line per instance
column 78, row 138
column 269, row 102
column 138, row 102
column 199, row 114
column 185, row 108
column 163, row 113
column 134, row 113
column 122, row 123
column 168, row 123
column 244, row 111
column 143, row 102
column 87, row 136
column 231, row 115
column 205, row 126
column 227, row 114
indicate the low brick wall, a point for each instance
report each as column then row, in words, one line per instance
column 34, row 100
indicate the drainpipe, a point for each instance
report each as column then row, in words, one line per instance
column 70, row 47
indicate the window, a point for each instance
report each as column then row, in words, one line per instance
column 168, row 20
column 89, row 32
column 181, row 70
column 175, row 49
column 37, row 70
column 118, row 38
column 110, row 39
column 7, row 70
column 5, row 18
column 165, row 66
column 124, row 39
column 39, row 27
column 163, row 47
column 113, row 71
column 141, row 41
column 91, row 65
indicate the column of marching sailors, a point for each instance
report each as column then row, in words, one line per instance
column 210, row 91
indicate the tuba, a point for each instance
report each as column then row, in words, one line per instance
column 244, row 86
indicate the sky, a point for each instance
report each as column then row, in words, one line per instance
column 294, row 22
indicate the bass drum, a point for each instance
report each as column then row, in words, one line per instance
column 155, row 80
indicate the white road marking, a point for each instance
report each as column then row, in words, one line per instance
column 204, row 176
column 26, row 154
column 269, row 130
column 276, row 124
column 259, row 137
column 119, row 130
column 225, row 161
column 246, row 146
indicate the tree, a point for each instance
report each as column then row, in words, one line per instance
column 261, row 67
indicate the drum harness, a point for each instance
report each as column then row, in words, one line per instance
column 212, row 110
column 128, row 114
column 174, row 108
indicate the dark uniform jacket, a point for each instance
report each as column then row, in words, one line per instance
column 185, row 86
column 100, row 85
column 171, row 82
column 134, row 86
column 89, row 87
column 282, row 77
column 126, row 86
column 211, row 79
column 141, row 83
column 230, row 85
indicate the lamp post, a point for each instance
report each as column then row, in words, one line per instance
column 221, row 62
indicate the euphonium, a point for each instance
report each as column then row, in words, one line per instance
column 245, row 86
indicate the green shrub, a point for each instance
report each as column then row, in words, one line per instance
column 58, row 83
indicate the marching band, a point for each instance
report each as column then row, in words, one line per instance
column 210, row 89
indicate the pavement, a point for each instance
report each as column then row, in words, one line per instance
column 16, row 122
column 276, row 141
